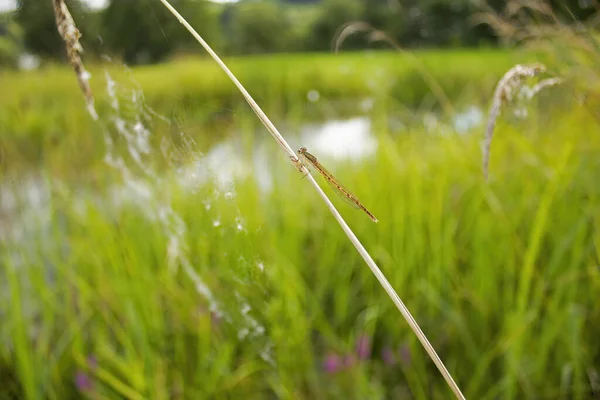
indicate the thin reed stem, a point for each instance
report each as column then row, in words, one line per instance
column 359, row 247
column 377, row 35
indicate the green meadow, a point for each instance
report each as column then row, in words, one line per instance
column 130, row 270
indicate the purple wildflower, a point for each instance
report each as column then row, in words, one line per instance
column 332, row 363
column 83, row 382
column 363, row 347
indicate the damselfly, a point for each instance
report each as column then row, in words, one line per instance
column 340, row 189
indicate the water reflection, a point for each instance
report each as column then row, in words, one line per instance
column 23, row 207
column 336, row 140
column 471, row 118
column 24, row 203
column 228, row 162
column 340, row 139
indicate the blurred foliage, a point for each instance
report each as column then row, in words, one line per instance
column 144, row 31
column 10, row 44
column 334, row 14
column 258, row 27
column 264, row 26
column 502, row 275
column 280, row 82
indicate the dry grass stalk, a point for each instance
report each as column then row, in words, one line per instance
column 573, row 46
column 534, row 7
column 70, row 34
column 516, row 14
column 353, row 239
column 376, row 35
column 546, row 83
column 507, row 86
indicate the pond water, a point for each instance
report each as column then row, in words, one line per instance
column 25, row 201
column 333, row 140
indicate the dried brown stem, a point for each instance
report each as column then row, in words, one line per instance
column 70, row 34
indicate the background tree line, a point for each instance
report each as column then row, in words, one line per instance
column 142, row 31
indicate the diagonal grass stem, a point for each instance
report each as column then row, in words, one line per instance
column 298, row 164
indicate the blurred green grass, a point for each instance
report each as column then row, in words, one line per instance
column 195, row 80
column 502, row 276
column 42, row 115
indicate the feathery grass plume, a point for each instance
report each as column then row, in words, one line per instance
column 302, row 168
column 517, row 14
column 510, row 82
column 572, row 46
column 70, row 34
column 544, row 84
column 573, row 50
column 376, row 35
